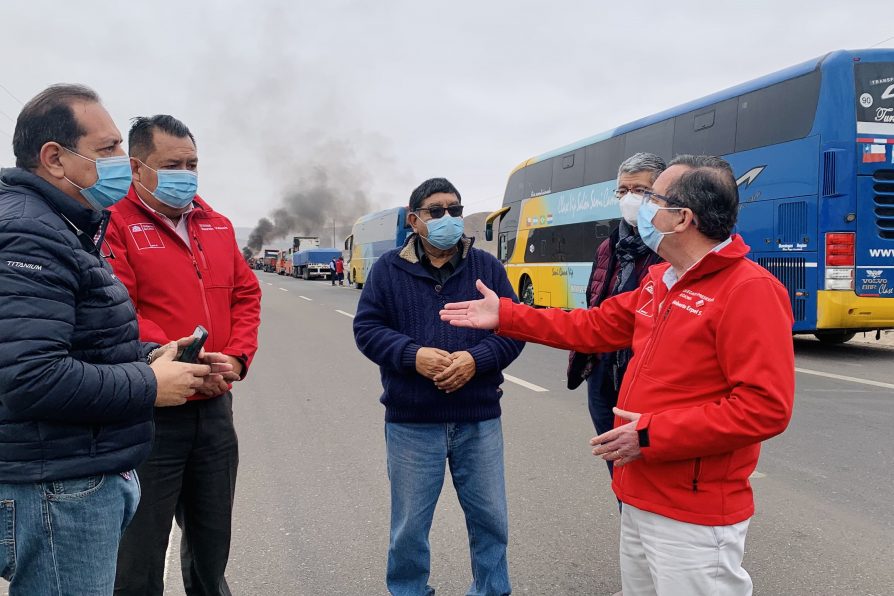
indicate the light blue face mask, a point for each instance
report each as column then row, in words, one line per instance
column 176, row 188
column 445, row 231
column 647, row 231
column 112, row 182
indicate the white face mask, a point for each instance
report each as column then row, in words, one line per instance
column 629, row 204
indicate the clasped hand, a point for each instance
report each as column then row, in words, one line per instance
column 449, row 372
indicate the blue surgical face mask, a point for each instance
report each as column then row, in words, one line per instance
column 647, row 231
column 112, row 182
column 445, row 231
column 176, row 188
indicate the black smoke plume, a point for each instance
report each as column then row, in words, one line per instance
column 322, row 203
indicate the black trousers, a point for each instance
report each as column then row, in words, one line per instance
column 190, row 475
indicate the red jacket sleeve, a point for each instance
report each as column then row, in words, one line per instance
column 605, row 328
column 756, row 354
column 245, row 317
column 149, row 330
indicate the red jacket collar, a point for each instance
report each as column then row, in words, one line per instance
column 712, row 262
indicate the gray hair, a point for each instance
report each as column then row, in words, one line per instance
column 642, row 162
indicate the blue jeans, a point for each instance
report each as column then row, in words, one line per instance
column 61, row 538
column 601, row 398
column 416, row 456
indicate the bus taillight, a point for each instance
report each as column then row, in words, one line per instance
column 840, row 261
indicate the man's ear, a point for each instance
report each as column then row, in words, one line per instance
column 412, row 220
column 134, row 168
column 688, row 217
column 49, row 157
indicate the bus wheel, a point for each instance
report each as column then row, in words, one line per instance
column 357, row 285
column 306, row 273
column 526, row 294
column 834, row 337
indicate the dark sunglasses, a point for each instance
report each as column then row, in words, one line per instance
column 437, row 212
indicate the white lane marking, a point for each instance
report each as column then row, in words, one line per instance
column 757, row 474
column 347, row 314
column 169, row 553
column 268, row 283
column 819, row 373
column 306, row 298
column 283, row 289
column 525, row 384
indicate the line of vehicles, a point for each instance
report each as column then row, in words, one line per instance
column 305, row 260
column 812, row 147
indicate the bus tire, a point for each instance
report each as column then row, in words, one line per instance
column 834, row 337
column 526, row 291
column 305, row 273
column 357, row 285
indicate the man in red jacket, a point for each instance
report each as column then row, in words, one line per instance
column 712, row 376
column 181, row 264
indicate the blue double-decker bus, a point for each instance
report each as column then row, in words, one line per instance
column 812, row 147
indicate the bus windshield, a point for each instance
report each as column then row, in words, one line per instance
column 875, row 97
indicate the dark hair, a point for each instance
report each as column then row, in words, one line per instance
column 48, row 117
column 142, row 128
column 431, row 187
column 702, row 161
column 710, row 190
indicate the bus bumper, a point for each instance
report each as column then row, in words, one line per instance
column 846, row 310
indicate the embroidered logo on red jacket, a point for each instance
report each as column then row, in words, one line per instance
column 145, row 235
column 647, row 307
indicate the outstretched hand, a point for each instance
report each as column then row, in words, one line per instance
column 477, row 314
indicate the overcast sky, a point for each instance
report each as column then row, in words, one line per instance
column 382, row 95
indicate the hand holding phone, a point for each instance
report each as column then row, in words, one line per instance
column 191, row 352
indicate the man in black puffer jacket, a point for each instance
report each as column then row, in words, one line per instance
column 77, row 387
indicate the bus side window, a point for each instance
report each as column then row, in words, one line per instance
column 707, row 131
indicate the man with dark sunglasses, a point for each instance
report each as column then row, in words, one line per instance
column 442, row 391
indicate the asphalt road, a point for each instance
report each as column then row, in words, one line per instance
column 312, row 506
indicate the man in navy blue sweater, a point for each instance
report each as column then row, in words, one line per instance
column 441, row 391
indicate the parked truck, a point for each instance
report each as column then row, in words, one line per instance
column 284, row 262
column 271, row 255
column 313, row 262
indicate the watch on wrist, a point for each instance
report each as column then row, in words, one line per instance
column 150, row 358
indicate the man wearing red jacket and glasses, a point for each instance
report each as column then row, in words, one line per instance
column 712, row 376
column 182, row 267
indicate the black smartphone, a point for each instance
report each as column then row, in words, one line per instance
column 191, row 352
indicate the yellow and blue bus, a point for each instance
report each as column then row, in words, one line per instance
column 812, row 147
column 372, row 236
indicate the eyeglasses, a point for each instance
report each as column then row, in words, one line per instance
column 437, row 212
column 654, row 197
column 623, row 190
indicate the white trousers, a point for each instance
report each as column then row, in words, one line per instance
column 665, row 557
